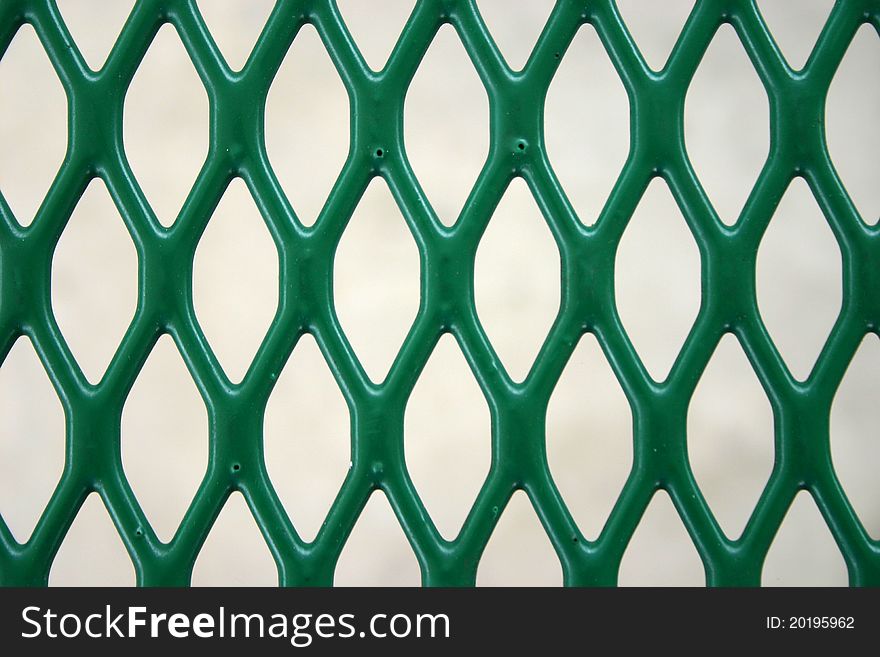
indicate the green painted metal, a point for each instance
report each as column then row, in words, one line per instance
column 237, row 148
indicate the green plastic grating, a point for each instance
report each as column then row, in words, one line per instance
column 237, row 148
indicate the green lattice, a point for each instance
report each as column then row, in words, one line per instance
column 519, row 461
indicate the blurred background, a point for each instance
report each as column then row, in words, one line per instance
column 589, row 432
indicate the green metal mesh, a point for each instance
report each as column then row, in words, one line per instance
column 237, row 148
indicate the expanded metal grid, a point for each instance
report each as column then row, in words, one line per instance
column 237, row 148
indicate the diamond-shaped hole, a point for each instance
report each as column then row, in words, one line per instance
column 517, row 279
column 376, row 298
column 799, row 283
column 727, row 124
column 587, row 124
column 515, row 29
column 377, row 552
column 164, row 438
column 448, row 434
column 307, row 117
column 660, row 552
column 235, row 554
column 657, row 279
column 446, row 134
column 306, row 438
column 235, row 26
column 94, row 25
column 655, row 26
column 375, row 34
column 855, row 416
column 730, row 436
column 804, row 552
column 92, row 553
column 235, row 280
column 31, row 439
column 519, row 552
column 165, row 125
column 853, row 131
column 33, row 124
column 795, row 26
column 94, row 280
column 589, row 437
